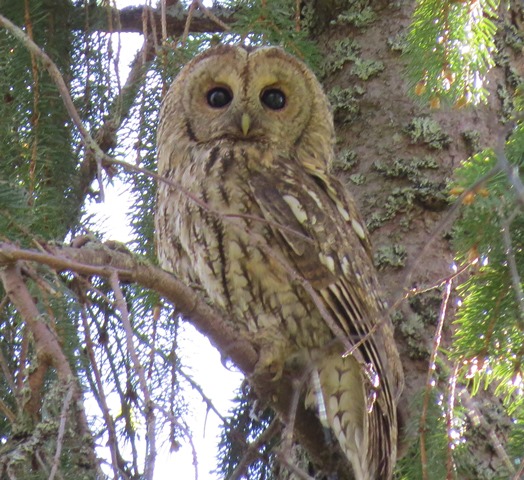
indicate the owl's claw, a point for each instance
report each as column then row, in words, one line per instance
column 269, row 364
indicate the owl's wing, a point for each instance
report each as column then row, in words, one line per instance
column 326, row 242
column 332, row 251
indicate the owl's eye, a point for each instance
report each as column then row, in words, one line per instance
column 273, row 98
column 219, row 97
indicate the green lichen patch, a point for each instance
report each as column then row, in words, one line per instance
column 432, row 196
column 365, row 69
column 421, row 190
column 401, row 200
column 472, row 141
column 427, row 305
column 358, row 16
column 345, row 160
column 399, row 42
column 507, row 103
column 426, row 194
column 390, row 256
column 413, row 328
column 345, row 103
column 427, row 131
column 345, row 50
column 513, row 37
column 358, row 179
column 410, row 169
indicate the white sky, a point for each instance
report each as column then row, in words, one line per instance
column 202, row 360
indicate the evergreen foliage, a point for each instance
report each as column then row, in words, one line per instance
column 450, row 50
column 47, row 181
column 490, row 231
column 245, row 425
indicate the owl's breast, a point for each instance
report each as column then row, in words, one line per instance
column 228, row 247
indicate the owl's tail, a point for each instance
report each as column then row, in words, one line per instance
column 363, row 423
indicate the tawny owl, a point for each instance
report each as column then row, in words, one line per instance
column 279, row 244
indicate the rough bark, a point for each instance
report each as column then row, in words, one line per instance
column 410, row 231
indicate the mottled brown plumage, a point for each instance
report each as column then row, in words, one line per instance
column 280, row 246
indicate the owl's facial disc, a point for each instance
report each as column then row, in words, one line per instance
column 259, row 96
column 243, row 115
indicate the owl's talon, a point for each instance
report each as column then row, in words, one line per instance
column 268, row 364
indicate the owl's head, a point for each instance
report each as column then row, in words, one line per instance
column 237, row 94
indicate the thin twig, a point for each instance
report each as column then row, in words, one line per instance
column 519, row 475
column 205, row 206
column 101, row 398
column 452, row 383
column 512, row 172
column 512, row 264
column 208, row 13
column 293, row 468
column 253, row 451
column 163, row 21
column 190, row 13
column 3, row 361
column 187, row 434
column 429, row 381
column 139, row 369
column 61, row 430
column 204, row 397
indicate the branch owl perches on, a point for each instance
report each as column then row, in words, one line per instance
column 276, row 242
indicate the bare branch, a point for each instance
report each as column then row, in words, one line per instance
column 102, row 261
column 139, row 370
column 430, row 379
column 61, row 430
column 213, row 20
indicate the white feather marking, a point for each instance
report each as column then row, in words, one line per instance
column 359, row 230
column 327, row 260
column 296, row 208
column 343, row 212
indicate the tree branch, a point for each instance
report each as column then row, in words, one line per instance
column 97, row 259
column 213, row 20
column 48, row 349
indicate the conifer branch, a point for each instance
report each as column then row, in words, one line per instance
column 430, row 379
column 211, row 20
column 100, row 260
column 48, row 349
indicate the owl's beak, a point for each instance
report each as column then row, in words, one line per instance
column 245, row 123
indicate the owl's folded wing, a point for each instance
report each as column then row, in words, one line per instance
column 325, row 241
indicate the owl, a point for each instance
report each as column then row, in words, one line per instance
column 275, row 241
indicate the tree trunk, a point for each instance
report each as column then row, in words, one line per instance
column 397, row 156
